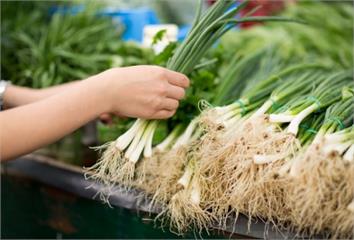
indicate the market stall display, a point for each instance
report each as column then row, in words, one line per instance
column 249, row 149
column 264, row 133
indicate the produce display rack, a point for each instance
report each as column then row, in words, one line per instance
column 71, row 179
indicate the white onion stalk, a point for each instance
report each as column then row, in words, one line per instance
column 187, row 134
column 320, row 137
column 231, row 122
column 349, row 155
column 142, row 139
column 228, row 115
column 189, row 182
column 186, row 177
column 225, row 109
column 134, row 155
column 334, row 137
column 165, row 144
column 339, row 142
column 148, row 144
column 136, row 140
column 264, row 108
column 195, row 192
column 294, row 124
column 340, row 136
column 281, row 118
column 228, row 112
column 124, row 140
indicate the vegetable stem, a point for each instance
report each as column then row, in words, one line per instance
column 294, row 124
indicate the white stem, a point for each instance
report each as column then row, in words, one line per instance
column 235, row 105
column 349, row 155
column 195, row 193
column 136, row 140
column 134, row 156
column 294, row 124
column 228, row 116
column 148, row 145
column 222, row 110
column 234, row 126
column 318, row 138
column 167, row 142
column 124, row 140
column 186, row 177
column 351, row 206
column 334, row 137
column 231, row 121
column 183, row 139
column 263, row 109
column 281, row 118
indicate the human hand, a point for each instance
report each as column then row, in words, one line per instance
column 148, row 92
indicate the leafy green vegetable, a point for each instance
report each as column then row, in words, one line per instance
column 39, row 53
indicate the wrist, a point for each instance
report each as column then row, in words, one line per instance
column 3, row 88
column 99, row 92
column 15, row 96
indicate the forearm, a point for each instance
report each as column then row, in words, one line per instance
column 50, row 91
column 34, row 125
column 17, row 96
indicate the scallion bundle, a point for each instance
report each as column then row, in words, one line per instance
column 118, row 161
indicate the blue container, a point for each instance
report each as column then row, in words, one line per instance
column 133, row 20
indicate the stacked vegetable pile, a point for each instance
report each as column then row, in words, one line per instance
column 206, row 30
column 276, row 140
column 63, row 47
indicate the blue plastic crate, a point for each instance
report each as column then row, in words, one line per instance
column 133, row 20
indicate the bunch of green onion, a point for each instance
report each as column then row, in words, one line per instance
column 280, row 133
column 118, row 161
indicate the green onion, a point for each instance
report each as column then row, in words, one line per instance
column 207, row 29
column 327, row 93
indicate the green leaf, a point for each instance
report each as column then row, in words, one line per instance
column 158, row 36
column 162, row 58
